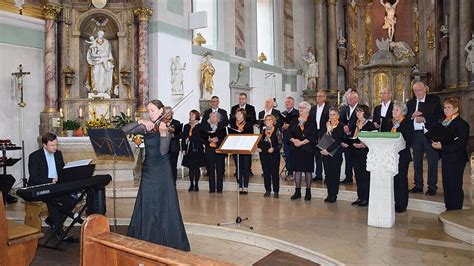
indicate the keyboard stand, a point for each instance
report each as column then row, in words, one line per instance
column 66, row 214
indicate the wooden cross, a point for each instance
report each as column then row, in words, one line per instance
column 19, row 77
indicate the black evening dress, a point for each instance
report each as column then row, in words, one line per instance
column 156, row 217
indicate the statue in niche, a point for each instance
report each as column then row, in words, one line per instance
column 390, row 19
column 207, row 76
column 177, row 76
column 312, row 69
column 470, row 55
column 101, row 65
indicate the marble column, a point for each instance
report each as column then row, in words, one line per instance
column 240, row 28
column 453, row 44
column 50, row 86
column 50, row 116
column 288, row 34
column 143, row 14
column 320, row 43
column 332, row 45
column 465, row 25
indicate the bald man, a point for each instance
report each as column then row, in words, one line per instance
column 383, row 112
column 425, row 111
column 270, row 110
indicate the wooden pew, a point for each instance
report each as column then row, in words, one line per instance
column 34, row 211
column 18, row 242
column 100, row 246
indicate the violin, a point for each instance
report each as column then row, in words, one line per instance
column 166, row 118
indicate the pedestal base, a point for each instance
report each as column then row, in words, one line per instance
column 381, row 200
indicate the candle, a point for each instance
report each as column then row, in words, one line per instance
column 446, row 20
column 403, row 96
column 80, row 112
column 61, row 114
column 128, row 111
column 114, row 111
column 338, row 97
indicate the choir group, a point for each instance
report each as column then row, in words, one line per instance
column 298, row 134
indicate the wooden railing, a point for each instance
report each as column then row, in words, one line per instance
column 99, row 246
column 18, row 242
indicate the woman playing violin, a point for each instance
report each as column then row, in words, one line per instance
column 156, row 216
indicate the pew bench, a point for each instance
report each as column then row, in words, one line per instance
column 34, row 212
column 18, row 242
column 100, row 246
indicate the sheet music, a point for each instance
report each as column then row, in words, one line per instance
column 244, row 143
column 77, row 163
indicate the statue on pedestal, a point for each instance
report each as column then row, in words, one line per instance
column 390, row 19
column 312, row 69
column 470, row 55
column 177, row 76
column 101, row 65
column 207, row 76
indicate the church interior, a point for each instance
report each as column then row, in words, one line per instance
column 80, row 69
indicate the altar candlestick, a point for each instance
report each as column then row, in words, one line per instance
column 338, row 98
column 128, row 111
column 403, row 96
column 80, row 112
column 114, row 111
column 61, row 114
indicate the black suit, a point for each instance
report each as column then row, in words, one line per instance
column 400, row 181
column 38, row 169
column 333, row 164
column 251, row 117
column 454, row 157
column 214, row 161
column 275, row 113
column 223, row 122
column 174, row 148
column 383, row 121
column 294, row 114
column 422, row 145
column 350, row 120
column 321, row 130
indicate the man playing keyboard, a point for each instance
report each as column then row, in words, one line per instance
column 45, row 166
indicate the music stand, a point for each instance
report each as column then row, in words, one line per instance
column 239, row 144
column 108, row 144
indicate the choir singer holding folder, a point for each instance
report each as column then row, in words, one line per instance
column 213, row 134
column 332, row 153
column 453, row 154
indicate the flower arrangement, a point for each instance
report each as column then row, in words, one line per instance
column 96, row 121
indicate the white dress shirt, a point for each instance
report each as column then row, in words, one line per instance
column 384, row 109
column 319, row 112
column 419, row 126
column 351, row 110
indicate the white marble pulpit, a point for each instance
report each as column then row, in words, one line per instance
column 382, row 162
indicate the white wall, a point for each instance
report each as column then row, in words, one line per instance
column 10, row 113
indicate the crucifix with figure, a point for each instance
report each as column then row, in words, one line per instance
column 19, row 77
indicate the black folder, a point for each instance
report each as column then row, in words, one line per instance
column 219, row 133
column 351, row 141
column 426, row 108
column 439, row 133
column 325, row 142
column 288, row 118
column 76, row 173
column 234, row 131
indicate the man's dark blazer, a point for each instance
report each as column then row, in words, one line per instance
column 224, row 118
column 324, row 118
column 38, row 167
column 431, row 119
column 385, row 126
column 346, row 120
column 174, row 143
column 275, row 113
column 251, row 117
